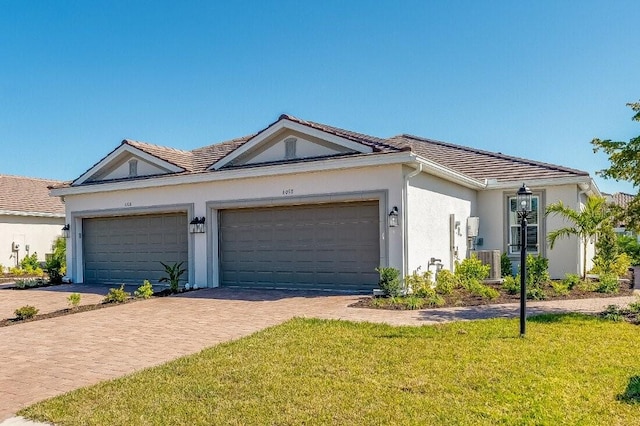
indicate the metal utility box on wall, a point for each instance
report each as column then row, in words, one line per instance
column 491, row 258
column 473, row 225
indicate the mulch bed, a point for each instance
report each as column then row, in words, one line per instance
column 460, row 297
column 82, row 308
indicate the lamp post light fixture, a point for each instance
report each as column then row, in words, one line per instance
column 393, row 217
column 66, row 231
column 523, row 208
column 196, row 226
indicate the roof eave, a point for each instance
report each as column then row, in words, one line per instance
column 30, row 214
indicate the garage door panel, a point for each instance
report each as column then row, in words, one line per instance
column 129, row 249
column 332, row 246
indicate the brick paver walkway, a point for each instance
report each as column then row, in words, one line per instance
column 45, row 358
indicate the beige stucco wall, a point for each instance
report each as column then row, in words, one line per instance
column 431, row 201
column 263, row 191
column 38, row 233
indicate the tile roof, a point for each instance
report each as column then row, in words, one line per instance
column 473, row 163
column 621, row 199
column 481, row 164
column 29, row 195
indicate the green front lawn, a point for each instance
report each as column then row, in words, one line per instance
column 570, row 369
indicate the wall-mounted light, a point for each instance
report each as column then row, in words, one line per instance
column 66, row 231
column 393, row 217
column 196, row 226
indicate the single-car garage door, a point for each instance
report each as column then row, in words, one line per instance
column 322, row 246
column 129, row 249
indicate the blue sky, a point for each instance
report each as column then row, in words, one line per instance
column 534, row 79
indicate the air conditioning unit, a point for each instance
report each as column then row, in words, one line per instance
column 491, row 258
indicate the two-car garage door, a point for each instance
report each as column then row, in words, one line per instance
column 129, row 249
column 333, row 246
column 320, row 246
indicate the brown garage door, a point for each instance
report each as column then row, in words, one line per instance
column 129, row 249
column 323, row 246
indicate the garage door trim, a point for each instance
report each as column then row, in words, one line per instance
column 213, row 255
column 76, row 231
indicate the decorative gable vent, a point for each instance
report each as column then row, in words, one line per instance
column 290, row 148
column 133, row 168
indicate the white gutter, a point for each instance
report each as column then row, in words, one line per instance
column 515, row 184
column 405, row 216
column 30, row 214
column 445, row 173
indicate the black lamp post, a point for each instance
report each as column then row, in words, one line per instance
column 523, row 209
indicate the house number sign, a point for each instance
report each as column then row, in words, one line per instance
column 127, row 204
column 288, row 191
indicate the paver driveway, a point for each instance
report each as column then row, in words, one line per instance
column 45, row 358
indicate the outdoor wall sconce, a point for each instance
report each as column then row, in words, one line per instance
column 196, row 226
column 66, row 231
column 523, row 198
column 393, row 217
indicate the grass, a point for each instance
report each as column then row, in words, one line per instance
column 570, row 369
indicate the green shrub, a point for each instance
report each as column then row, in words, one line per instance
column 56, row 264
column 145, row 291
column 612, row 313
column 74, row 300
column 587, row 285
column 30, row 263
column 536, row 293
column 446, row 282
column 478, row 289
column 470, row 273
column 631, row 247
column 26, row 312
column 635, row 306
column 420, row 284
column 608, row 283
column 506, row 266
column 472, row 269
column 511, row 284
column 15, row 271
column 537, row 271
column 389, row 281
column 116, row 295
column 174, row 272
column 414, row 302
column 560, row 287
column 571, row 280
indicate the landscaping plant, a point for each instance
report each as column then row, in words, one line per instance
column 117, row 295
column 506, row 267
column 56, row 264
column 470, row 273
column 26, row 312
column 174, row 272
column 74, row 300
column 389, row 281
column 145, row 291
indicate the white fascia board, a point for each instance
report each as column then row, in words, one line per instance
column 436, row 169
column 288, row 124
column 132, row 150
column 515, row 184
column 243, row 173
column 30, row 214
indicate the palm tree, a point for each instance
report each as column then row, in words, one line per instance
column 586, row 223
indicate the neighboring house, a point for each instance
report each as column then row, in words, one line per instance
column 30, row 219
column 620, row 199
column 305, row 205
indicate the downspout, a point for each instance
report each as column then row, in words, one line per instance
column 405, row 219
